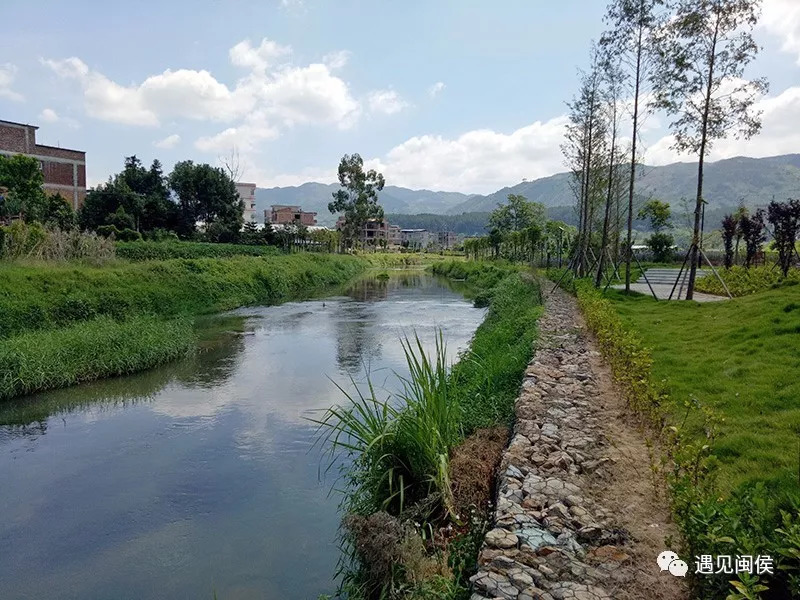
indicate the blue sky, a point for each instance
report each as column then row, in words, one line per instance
column 453, row 95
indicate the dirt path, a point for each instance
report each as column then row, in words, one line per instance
column 578, row 516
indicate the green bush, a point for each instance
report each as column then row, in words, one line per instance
column 165, row 250
column 742, row 281
column 90, row 350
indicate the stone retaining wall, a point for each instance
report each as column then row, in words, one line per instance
column 551, row 540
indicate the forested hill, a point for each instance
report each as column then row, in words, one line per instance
column 755, row 181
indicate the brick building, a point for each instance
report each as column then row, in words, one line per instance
column 64, row 170
column 281, row 214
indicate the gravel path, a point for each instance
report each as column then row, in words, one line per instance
column 578, row 514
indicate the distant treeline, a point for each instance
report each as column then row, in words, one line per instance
column 466, row 223
column 474, row 223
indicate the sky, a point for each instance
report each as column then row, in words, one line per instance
column 452, row 95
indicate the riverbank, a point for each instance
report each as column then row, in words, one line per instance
column 419, row 488
column 716, row 384
column 577, row 515
column 140, row 314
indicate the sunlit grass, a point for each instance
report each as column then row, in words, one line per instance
column 740, row 357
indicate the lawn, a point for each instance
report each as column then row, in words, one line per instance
column 740, row 357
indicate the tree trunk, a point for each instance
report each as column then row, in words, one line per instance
column 698, row 208
column 632, row 183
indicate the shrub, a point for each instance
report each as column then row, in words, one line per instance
column 165, row 250
column 743, row 281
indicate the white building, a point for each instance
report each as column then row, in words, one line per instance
column 417, row 239
column 247, row 193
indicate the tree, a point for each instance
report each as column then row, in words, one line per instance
column 754, row 235
column 206, row 195
column 785, row 220
column 659, row 215
column 612, row 90
column 59, row 213
column 22, row 177
column 103, row 201
column 517, row 214
column 730, row 227
column 495, row 239
column 358, row 198
column 631, row 39
column 155, row 209
column 583, row 149
column 703, row 52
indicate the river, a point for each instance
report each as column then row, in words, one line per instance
column 200, row 477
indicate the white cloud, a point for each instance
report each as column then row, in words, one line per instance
column 104, row 99
column 265, row 55
column 479, row 161
column 387, row 102
column 280, row 96
column 780, row 134
column 782, row 18
column 436, row 89
column 336, row 60
column 8, row 73
column 168, row 142
column 48, row 115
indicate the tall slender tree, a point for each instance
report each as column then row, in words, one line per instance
column 632, row 24
column 612, row 90
column 703, row 52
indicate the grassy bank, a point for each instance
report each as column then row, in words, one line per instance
column 65, row 324
column 719, row 383
column 46, row 296
column 420, row 483
column 139, row 251
column 103, row 347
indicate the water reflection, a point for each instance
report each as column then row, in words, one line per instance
column 197, row 477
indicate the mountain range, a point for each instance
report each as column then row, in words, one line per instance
column 753, row 181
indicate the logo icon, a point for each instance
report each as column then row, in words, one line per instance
column 669, row 561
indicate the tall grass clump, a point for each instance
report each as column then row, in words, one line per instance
column 95, row 349
column 396, row 453
column 21, row 241
column 400, row 446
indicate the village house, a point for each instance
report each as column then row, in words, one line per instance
column 283, row 214
column 247, row 194
column 64, row 170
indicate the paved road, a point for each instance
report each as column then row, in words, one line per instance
column 662, row 291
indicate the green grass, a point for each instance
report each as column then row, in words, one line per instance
column 139, row 251
column 401, row 447
column 740, row 357
column 95, row 349
column 47, row 296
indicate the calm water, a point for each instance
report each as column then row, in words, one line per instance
column 199, row 477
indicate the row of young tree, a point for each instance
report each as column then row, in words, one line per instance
column 784, row 217
column 683, row 58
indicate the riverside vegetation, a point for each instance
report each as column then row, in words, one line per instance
column 716, row 383
column 419, row 469
column 138, row 313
